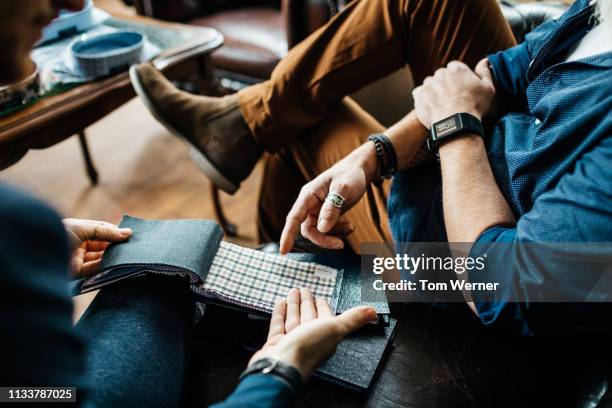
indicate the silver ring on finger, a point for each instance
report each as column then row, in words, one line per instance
column 335, row 199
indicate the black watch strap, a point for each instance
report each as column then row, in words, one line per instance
column 289, row 374
column 449, row 128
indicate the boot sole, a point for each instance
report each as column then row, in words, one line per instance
column 198, row 157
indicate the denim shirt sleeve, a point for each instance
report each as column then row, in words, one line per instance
column 500, row 312
column 577, row 210
column 510, row 66
column 260, row 391
column 509, row 70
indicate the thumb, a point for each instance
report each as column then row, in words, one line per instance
column 355, row 318
column 483, row 71
column 110, row 233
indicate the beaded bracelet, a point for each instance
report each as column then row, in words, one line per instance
column 391, row 156
column 386, row 157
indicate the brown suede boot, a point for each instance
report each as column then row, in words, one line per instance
column 219, row 139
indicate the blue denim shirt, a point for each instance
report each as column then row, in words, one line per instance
column 551, row 155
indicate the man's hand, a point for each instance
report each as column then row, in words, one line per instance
column 304, row 332
column 89, row 239
column 317, row 219
column 454, row 89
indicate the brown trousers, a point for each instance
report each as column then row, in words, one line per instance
column 302, row 117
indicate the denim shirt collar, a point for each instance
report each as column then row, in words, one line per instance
column 571, row 26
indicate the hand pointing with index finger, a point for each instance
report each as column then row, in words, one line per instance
column 317, row 210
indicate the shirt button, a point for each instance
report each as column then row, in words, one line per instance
column 537, row 121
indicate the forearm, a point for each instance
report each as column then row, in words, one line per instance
column 472, row 201
column 408, row 137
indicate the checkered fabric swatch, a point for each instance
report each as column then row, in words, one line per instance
column 256, row 280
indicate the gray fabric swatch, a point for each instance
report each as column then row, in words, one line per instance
column 188, row 245
column 357, row 357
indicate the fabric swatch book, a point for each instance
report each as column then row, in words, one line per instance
column 248, row 280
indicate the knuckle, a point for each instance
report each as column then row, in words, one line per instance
column 341, row 186
column 338, row 330
column 305, row 190
column 453, row 65
column 292, row 218
column 308, row 188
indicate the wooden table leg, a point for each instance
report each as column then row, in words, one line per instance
column 229, row 228
column 92, row 173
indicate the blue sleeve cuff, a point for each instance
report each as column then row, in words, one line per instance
column 497, row 234
column 260, row 391
column 510, row 71
column 498, row 311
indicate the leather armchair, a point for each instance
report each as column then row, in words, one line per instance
column 257, row 33
column 524, row 17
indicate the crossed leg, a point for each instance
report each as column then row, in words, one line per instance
column 302, row 112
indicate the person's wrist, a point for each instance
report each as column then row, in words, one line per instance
column 460, row 144
column 297, row 360
column 368, row 161
column 437, row 117
column 268, row 365
column 291, row 358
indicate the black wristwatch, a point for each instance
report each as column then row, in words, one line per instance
column 452, row 127
column 289, row 374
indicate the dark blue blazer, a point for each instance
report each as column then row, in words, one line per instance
column 39, row 345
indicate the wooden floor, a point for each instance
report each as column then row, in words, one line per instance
column 144, row 172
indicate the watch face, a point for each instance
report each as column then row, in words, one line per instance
column 446, row 126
